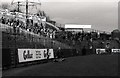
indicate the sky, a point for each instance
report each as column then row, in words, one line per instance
column 101, row 14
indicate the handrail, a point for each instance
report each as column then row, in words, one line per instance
column 53, row 26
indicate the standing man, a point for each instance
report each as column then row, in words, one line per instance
column 59, row 53
column 59, row 56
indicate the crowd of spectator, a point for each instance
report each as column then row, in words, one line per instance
column 81, row 36
column 68, row 37
column 35, row 27
column 88, row 40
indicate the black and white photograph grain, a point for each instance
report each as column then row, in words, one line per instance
column 59, row 38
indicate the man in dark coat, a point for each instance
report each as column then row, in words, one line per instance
column 59, row 56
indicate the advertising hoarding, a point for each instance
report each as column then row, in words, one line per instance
column 116, row 50
column 99, row 51
column 25, row 55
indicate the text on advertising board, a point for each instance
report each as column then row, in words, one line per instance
column 27, row 55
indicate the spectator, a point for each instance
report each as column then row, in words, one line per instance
column 59, row 53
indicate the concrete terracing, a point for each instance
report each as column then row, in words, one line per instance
column 47, row 42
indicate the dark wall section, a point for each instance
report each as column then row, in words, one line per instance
column 6, row 58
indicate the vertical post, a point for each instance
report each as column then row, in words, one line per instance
column 82, row 33
column 26, row 13
column 18, row 6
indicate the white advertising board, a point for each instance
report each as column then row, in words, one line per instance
column 25, row 55
column 77, row 26
column 116, row 50
column 99, row 51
